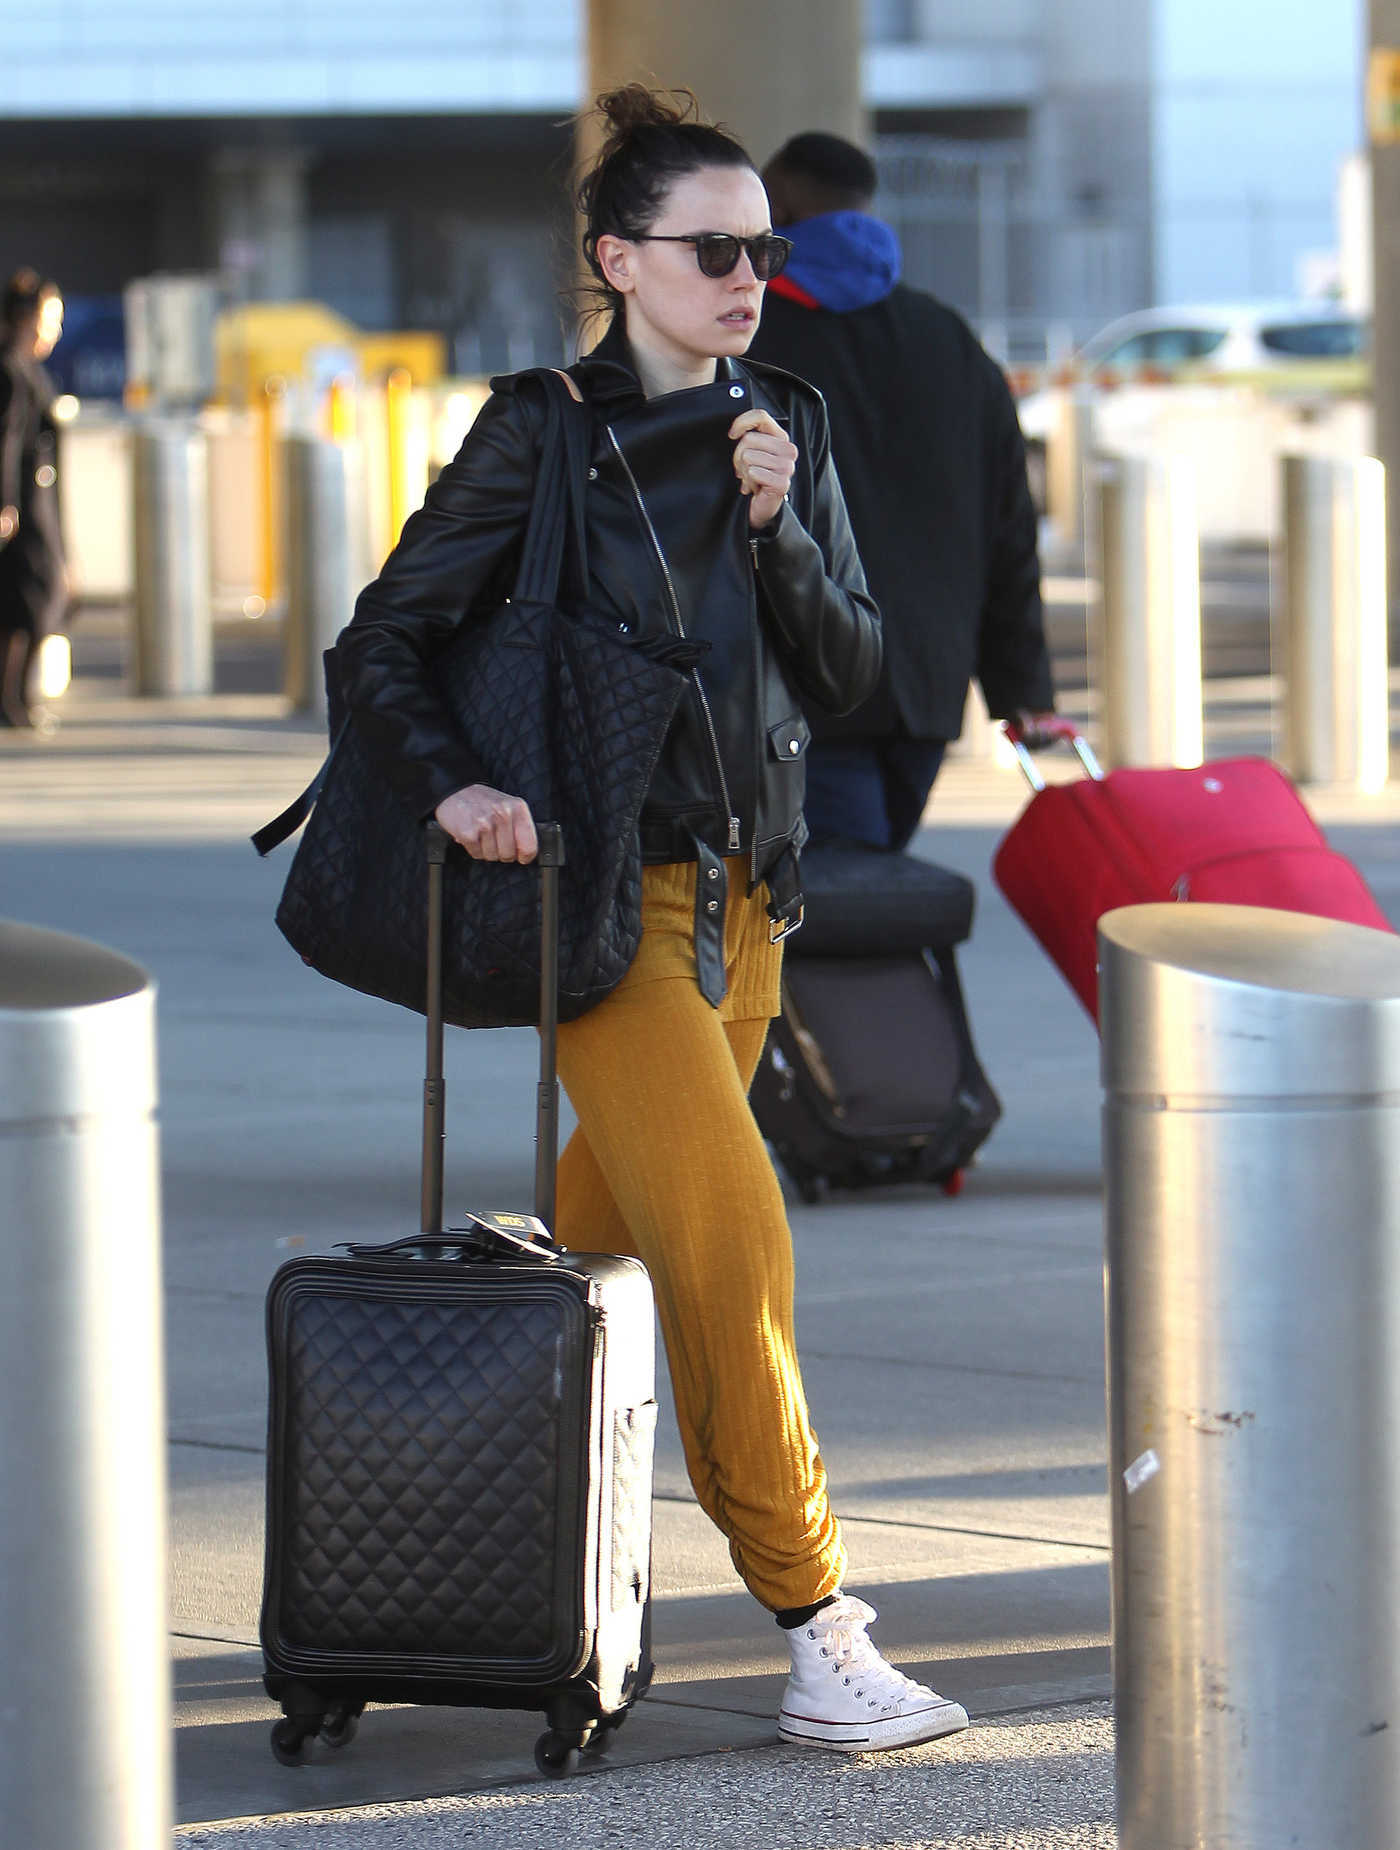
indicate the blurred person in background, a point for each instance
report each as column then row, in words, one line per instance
column 925, row 437
column 33, row 579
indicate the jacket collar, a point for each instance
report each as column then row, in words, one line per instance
column 607, row 373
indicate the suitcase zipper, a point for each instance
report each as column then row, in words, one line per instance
column 1181, row 886
column 734, row 828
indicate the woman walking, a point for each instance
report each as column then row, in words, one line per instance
column 33, row 581
column 713, row 512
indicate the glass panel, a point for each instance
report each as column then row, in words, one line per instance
column 1171, row 346
column 1130, row 352
column 1315, row 340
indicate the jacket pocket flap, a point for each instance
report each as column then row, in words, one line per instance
column 788, row 740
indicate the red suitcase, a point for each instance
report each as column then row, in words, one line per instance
column 1235, row 831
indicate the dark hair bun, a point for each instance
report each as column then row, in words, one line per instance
column 635, row 107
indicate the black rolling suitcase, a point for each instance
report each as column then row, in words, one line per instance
column 869, row 1075
column 459, row 1460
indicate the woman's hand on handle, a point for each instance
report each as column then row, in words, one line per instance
column 490, row 825
column 764, row 459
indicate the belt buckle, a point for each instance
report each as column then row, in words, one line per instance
column 781, row 928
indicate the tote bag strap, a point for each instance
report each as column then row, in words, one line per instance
column 578, row 443
column 556, row 509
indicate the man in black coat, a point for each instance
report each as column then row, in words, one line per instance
column 925, row 437
column 33, row 580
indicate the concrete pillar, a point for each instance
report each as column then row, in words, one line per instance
column 259, row 212
column 765, row 71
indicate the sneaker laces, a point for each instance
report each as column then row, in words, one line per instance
column 840, row 1632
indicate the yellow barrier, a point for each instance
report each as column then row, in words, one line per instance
column 258, row 340
column 398, row 388
column 422, row 355
column 340, row 408
column 1299, row 378
column 270, row 417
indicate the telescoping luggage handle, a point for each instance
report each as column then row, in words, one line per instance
column 1047, row 729
column 518, row 1231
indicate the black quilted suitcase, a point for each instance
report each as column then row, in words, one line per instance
column 459, row 1461
column 869, row 1075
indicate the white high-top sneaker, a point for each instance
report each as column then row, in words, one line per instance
column 843, row 1695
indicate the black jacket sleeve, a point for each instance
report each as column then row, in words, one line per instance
column 823, row 621
column 460, row 542
column 1013, row 663
column 12, row 411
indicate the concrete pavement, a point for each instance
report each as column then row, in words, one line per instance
column 1038, row 1780
column 953, row 1348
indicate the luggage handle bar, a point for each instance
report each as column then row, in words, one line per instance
column 551, row 859
column 484, row 1234
column 1047, row 730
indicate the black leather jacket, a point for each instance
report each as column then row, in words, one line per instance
column 33, row 586
column 784, row 611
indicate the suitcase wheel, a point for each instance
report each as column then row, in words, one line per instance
column 556, row 1755
column 340, row 1727
column 601, row 1738
column 288, row 1742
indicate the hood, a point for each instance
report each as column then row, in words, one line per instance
column 844, row 260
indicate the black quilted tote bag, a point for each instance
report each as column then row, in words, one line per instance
column 563, row 709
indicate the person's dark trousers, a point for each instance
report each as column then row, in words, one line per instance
column 19, row 652
column 870, row 790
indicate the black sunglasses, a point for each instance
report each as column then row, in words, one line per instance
column 717, row 252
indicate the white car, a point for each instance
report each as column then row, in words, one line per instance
column 1157, row 345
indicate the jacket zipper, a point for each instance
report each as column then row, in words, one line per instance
column 734, row 842
column 758, row 681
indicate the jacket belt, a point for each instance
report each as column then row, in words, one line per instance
column 785, row 905
column 711, row 892
column 711, row 896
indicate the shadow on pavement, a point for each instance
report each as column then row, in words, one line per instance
column 720, row 1670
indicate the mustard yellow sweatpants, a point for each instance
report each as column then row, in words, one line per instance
column 667, row 1164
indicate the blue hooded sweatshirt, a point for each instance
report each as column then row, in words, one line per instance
column 845, row 260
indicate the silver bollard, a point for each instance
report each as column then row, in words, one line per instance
column 85, row 1706
column 1251, row 1069
column 1330, row 628
column 326, row 547
column 174, row 627
column 1145, row 636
